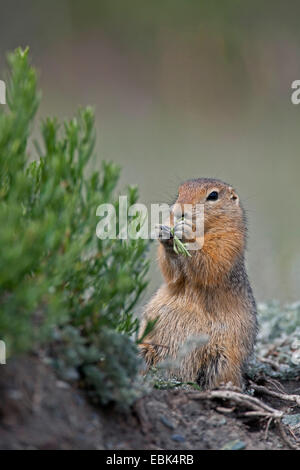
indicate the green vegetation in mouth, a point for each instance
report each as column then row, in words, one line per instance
column 178, row 246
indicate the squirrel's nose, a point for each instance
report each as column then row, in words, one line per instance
column 183, row 211
column 178, row 210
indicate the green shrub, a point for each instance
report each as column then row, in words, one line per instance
column 54, row 271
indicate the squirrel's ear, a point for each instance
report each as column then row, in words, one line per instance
column 234, row 196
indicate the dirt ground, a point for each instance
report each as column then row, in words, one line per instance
column 38, row 411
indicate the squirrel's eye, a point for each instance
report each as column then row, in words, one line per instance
column 213, row 196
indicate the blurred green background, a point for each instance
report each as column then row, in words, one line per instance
column 183, row 89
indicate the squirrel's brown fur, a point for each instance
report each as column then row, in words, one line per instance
column 207, row 293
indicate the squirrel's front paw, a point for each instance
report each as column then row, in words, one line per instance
column 184, row 230
column 163, row 233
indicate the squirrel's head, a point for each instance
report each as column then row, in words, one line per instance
column 222, row 207
column 222, row 242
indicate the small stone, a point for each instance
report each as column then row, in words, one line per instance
column 70, row 373
column 296, row 357
column 291, row 420
column 222, row 422
column 166, row 422
column 295, row 344
column 215, row 421
column 234, row 445
column 177, row 438
column 15, row 394
column 62, row 385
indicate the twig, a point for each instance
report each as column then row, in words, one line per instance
column 285, row 437
column 246, row 400
column 272, row 393
column 276, row 384
column 272, row 363
column 293, row 434
column 222, row 409
column 268, row 427
column 257, row 414
column 258, row 408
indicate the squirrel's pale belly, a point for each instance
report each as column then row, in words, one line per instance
column 194, row 338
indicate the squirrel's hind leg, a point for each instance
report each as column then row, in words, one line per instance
column 219, row 371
